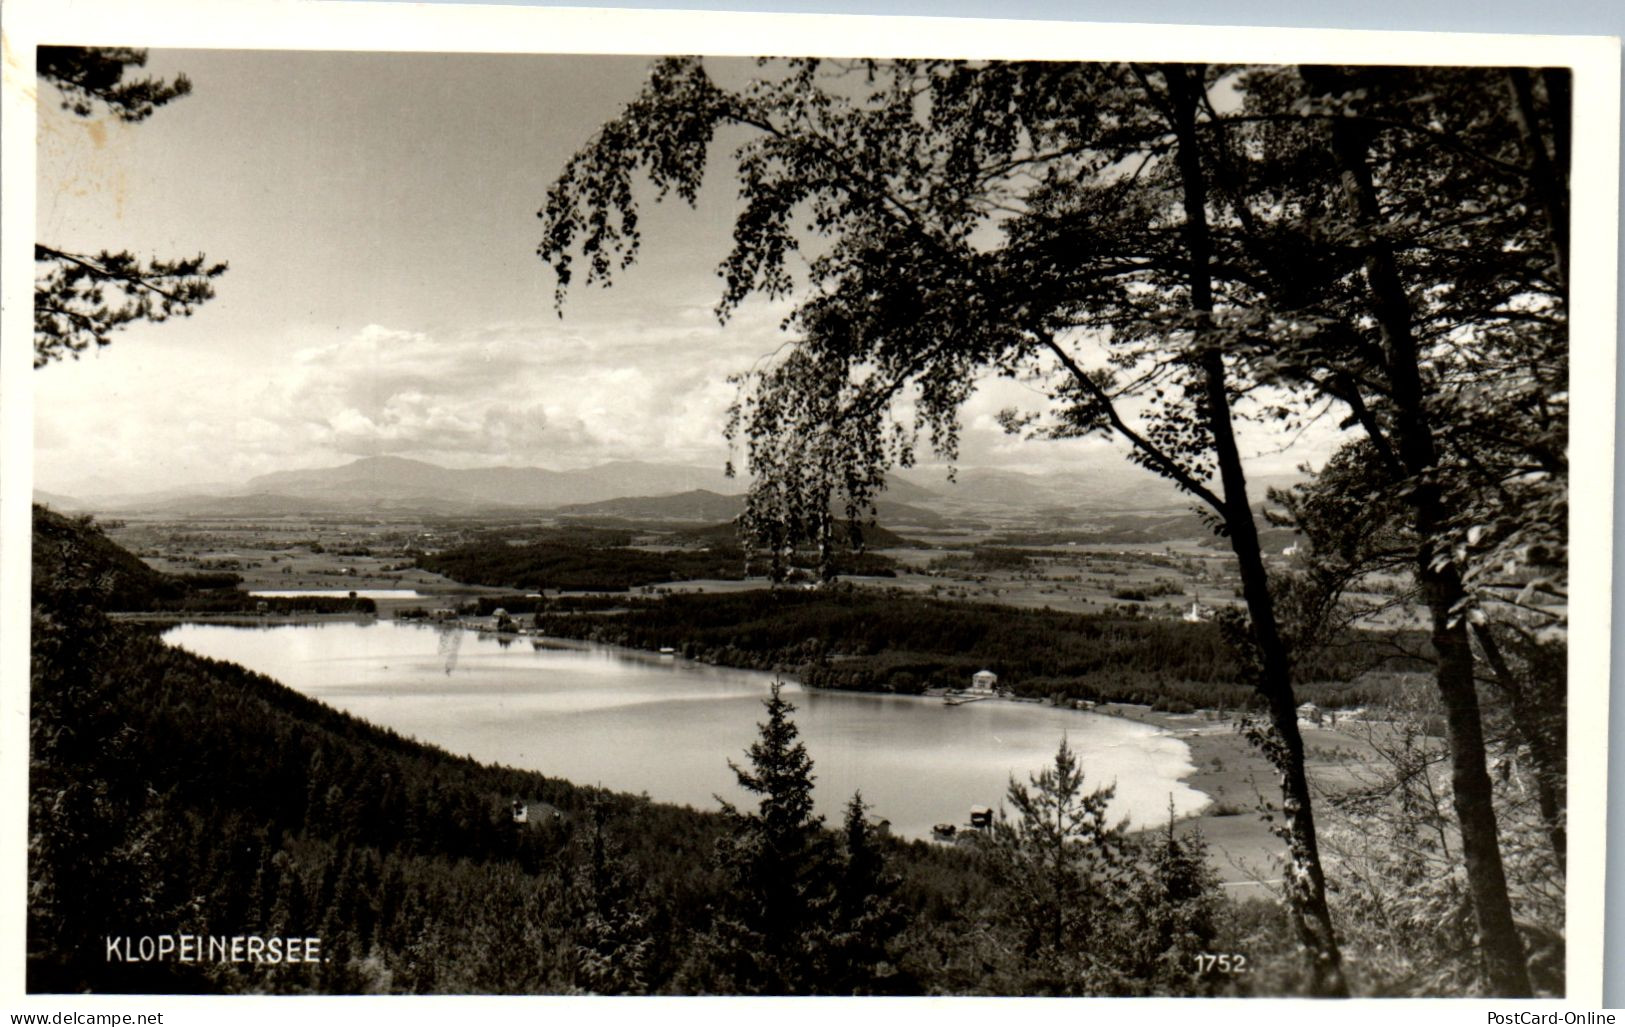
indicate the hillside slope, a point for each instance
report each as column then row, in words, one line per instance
column 171, row 794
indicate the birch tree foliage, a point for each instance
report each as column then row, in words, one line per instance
column 1058, row 223
column 938, row 222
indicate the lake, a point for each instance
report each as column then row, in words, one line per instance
column 337, row 593
column 640, row 722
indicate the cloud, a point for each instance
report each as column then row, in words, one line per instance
column 516, row 393
column 554, row 394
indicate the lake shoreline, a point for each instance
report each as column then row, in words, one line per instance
column 917, row 765
column 1225, row 767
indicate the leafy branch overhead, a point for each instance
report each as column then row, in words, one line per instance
column 1158, row 251
column 80, row 299
column 92, row 77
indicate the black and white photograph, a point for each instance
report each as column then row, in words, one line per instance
column 724, row 509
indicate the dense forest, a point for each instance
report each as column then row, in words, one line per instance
column 868, row 639
column 587, row 560
column 173, row 794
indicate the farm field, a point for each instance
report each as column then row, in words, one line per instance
column 1159, row 580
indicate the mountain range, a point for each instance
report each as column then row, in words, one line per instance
column 637, row 490
column 703, row 505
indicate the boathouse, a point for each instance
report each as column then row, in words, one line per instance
column 984, row 682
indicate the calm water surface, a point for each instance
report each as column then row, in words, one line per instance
column 337, row 593
column 642, row 723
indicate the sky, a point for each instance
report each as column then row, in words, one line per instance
column 378, row 212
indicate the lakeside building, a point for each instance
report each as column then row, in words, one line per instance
column 984, row 682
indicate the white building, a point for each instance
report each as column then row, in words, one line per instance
column 983, row 682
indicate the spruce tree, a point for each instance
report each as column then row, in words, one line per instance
column 1179, row 907
column 613, row 939
column 866, row 916
column 771, row 924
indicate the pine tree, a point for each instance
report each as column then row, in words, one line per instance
column 80, row 299
column 614, row 942
column 1179, row 907
column 1066, row 873
column 866, row 916
column 772, row 922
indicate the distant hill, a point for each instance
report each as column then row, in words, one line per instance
column 694, row 505
column 380, row 478
column 274, row 505
column 57, row 501
column 727, row 534
column 909, row 514
column 1102, row 484
column 899, row 489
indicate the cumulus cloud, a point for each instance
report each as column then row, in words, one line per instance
column 518, row 394
column 553, row 394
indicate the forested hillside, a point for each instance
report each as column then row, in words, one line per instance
column 170, row 794
column 81, row 567
column 877, row 640
column 587, row 560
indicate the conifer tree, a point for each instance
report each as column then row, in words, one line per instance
column 772, row 924
column 613, row 945
column 1066, row 872
column 866, row 916
column 1179, row 909
column 80, row 299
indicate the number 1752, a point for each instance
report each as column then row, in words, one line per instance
column 1224, row 963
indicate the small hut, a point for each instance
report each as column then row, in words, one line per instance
column 984, row 682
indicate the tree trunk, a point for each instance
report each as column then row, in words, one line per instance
column 1305, row 881
column 1548, row 174
column 1505, row 969
column 1539, row 731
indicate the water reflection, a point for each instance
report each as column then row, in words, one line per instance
column 451, row 640
column 638, row 722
